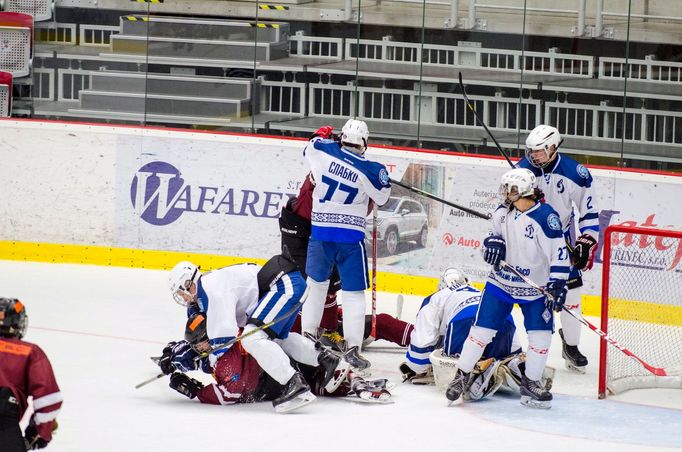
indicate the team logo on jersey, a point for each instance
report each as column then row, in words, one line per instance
column 553, row 222
column 582, row 171
column 383, row 177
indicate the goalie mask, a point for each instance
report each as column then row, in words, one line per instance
column 181, row 280
column 195, row 333
column 516, row 184
column 354, row 136
column 452, row 278
column 542, row 144
column 13, row 318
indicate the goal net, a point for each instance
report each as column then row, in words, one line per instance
column 641, row 308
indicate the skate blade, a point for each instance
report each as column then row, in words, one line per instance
column 457, row 401
column 336, row 381
column 574, row 368
column 368, row 399
column 295, row 403
column 532, row 403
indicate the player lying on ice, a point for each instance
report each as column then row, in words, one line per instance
column 239, row 378
column 249, row 296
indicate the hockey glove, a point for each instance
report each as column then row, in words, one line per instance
column 189, row 387
column 584, row 251
column 178, row 356
column 325, row 132
column 557, row 288
column 495, row 250
column 32, row 438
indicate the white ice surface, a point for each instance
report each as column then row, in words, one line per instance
column 99, row 325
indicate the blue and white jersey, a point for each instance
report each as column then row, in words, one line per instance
column 436, row 313
column 567, row 186
column 227, row 296
column 535, row 246
column 344, row 184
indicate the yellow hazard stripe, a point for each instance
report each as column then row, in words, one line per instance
column 263, row 25
column 274, row 7
column 147, row 1
column 134, row 18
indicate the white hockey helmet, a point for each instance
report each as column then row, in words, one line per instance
column 542, row 138
column 452, row 278
column 355, row 134
column 180, row 281
column 517, row 183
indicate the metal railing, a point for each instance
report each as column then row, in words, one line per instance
column 71, row 82
column 96, row 35
column 647, row 69
column 55, row 33
column 315, row 46
column 609, row 123
column 282, row 97
column 43, row 84
column 550, row 62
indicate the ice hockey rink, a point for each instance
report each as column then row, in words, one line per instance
column 100, row 325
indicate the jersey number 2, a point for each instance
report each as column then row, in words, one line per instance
column 335, row 185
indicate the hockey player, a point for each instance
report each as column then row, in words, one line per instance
column 528, row 235
column 25, row 371
column 567, row 186
column 446, row 317
column 239, row 378
column 345, row 185
column 294, row 225
column 251, row 296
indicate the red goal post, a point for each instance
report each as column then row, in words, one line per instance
column 641, row 307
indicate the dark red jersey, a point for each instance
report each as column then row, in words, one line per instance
column 237, row 375
column 25, row 369
column 304, row 200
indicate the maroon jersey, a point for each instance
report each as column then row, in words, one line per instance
column 25, row 369
column 237, row 375
column 304, row 200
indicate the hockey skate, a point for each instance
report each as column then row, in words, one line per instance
column 458, row 386
column 534, row 394
column 372, row 391
column 334, row 369
column 353, row 357
column 573, row 358
column 296, row 394
column 331, row 339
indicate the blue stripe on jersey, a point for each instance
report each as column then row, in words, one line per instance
column 368, row 168
column 559, row 269
column 543, row 216
column 421, row 362
column 415, row 349
column 468, row 312
column 219, row 341
column 426, row 301
column 590, row 216
column 589, row 228
column 202, row 297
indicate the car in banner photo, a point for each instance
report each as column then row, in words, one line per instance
column 400, row 220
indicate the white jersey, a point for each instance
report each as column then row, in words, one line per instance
column 344, row 184
column 227, row 296
column 535, row 246
column 567, row 186
column 433, row 318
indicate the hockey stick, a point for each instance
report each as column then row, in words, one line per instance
column 373, row 330
column 480, row 121
column 234, row 340
column 659, row 372
column 485, row 216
